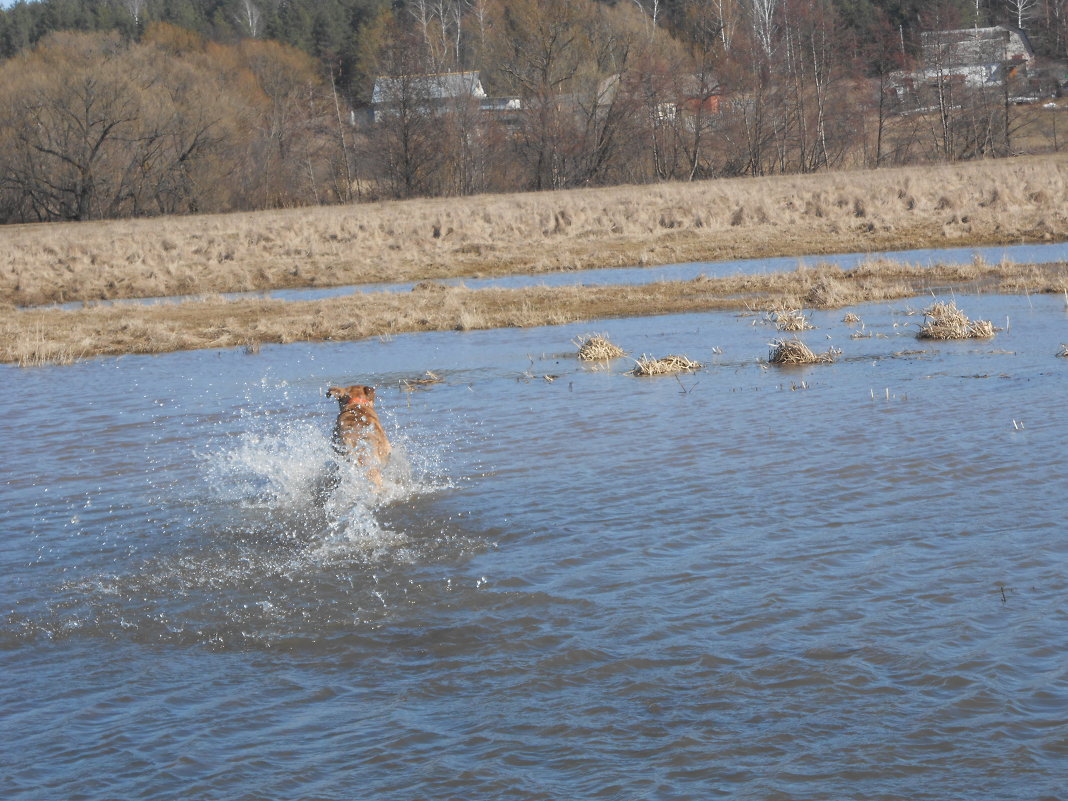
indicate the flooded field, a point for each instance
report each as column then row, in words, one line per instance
column 1017, row 254
column 749, row 582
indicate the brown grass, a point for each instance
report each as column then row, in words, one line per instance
column 1064, row 351
column 49, row 335
column 946, row 321
column 35, row 349
column 669, row 365
column 500, row 234
column 794, row 351
column 597, row 348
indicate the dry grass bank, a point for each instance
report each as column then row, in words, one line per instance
column 973, row 203
column 37, row 336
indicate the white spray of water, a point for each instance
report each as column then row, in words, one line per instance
column 270, row 469
column 285, row 477
column 286, row 539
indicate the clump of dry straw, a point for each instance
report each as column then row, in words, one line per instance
column 428, row 378
column 647, row 365
column 794, row 351
column 789, row 319
column 946, row 321
column 597, row 348
column 1064, row 351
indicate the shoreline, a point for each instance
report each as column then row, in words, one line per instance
column 49, row 336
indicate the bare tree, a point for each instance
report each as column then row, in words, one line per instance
column 135, row 8
column 248, row 16
column 1058, row 20
column 650, row 8
column 699, row 88
column 67, row 128
column 728, row 13
column 602, row 106
column 104, row 131
column 540, row 42
column 481, row 13
column 344, row 192
column 1022, row 11
column 440, row 25
column 763, row 15
column 884, row 55
column 407, row 135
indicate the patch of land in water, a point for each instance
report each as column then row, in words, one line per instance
column 42, row 336
column 1007, row 201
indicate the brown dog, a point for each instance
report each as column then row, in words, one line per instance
column 359, row 432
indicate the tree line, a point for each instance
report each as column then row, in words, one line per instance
column 137, row 107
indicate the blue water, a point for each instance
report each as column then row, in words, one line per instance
column 843, row 581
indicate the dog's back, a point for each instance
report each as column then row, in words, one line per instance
column 358, row 431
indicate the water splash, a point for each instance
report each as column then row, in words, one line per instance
column 284, row 479
column 279, row 540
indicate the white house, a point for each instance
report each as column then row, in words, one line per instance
column 977, row 57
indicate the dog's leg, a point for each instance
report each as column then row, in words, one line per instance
column 370, row 465
column 375, row 476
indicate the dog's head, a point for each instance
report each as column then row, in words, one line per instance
column 348, row 396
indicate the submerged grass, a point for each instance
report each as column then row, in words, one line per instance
column 425, row 380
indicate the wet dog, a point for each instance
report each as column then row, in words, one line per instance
column 358, row 432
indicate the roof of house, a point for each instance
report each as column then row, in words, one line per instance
column 970, row 46
column 436, row 86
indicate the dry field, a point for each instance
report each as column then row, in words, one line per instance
column 41, row 336
column 993, row 202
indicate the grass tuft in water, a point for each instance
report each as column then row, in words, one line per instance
column 597, row 348
column 794, row 351
column 669, row 365
column 786, row 319
column 945, row 321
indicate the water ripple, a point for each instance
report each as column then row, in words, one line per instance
column 601, row 587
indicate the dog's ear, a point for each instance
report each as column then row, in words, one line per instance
column 369, row 392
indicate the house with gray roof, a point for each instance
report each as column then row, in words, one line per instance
column 434, row 93
column 966, row 59
column 437, row 93
column 976, row 57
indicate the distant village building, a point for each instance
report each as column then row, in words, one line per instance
column 505, row 111
column 700, row 96
column 978, row 57
column 436, row 93
column 688, row 97
column 969, row 58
